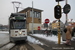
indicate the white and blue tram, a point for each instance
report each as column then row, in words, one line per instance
column 17, row 27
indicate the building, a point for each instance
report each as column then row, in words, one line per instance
column 55, row 24
column 36, row 20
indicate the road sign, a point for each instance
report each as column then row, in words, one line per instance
column 46, row 20
column 57, row 12
column 59, row 0
column 38, row 27
column 66, row 8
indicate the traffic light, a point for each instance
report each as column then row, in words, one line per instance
column 66, row 9
column 59, row 0
column 57, row 12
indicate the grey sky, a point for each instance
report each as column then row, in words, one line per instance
column 6, row 8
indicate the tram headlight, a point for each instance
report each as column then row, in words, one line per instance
column 20, row 33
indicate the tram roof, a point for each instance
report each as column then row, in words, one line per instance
column 17, row 14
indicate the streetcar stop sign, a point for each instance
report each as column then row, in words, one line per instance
column 57, row 12
column 66, row 9
column 46, row 20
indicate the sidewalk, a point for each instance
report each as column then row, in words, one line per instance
column 53, row 46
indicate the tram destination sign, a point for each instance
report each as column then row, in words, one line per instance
column 19, row 17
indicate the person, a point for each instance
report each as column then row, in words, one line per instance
column 65, row 29
column 73, row 31
column 68, row 35
column 50, row 33
column 46, row 31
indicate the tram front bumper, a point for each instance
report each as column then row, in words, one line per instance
column 17, row 38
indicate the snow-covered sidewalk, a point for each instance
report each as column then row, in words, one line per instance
column 4, row 38
column 49, row 38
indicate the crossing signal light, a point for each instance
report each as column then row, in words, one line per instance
column 57, row 12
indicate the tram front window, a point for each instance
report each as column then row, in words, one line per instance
column 18, row 24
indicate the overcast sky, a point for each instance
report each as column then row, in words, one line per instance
column 6, row 8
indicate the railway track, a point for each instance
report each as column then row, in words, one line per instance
column 22, row 46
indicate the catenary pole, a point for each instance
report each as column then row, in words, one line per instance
column 32, row 17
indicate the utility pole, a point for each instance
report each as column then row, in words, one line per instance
column 32, row 17
column 66, row 16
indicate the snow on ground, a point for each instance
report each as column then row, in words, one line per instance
column 4, row 32
column 4, row 38
column 33, row 40
column 50, row 38
column 7, row 47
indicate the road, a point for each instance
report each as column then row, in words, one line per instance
column 4, row 41
column 4, row 38
column 32, row 43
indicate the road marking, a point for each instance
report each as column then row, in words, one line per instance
column 36, row 47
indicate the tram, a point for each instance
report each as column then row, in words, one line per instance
column 17, row 27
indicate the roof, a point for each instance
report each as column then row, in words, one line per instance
column 17, row 14
column 30, row 8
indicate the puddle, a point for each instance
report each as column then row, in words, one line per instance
column 33, row 40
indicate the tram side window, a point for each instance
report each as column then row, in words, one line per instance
column 11, row 24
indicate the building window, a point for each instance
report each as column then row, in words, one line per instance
column 39, row 15
column 26, row 13
column 35, row 14
column 30, row 13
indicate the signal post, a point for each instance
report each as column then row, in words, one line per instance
column 59, row 35
column 57, row 15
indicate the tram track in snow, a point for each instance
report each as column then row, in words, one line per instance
column 22, row 46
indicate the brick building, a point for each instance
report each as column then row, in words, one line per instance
column 37, row 17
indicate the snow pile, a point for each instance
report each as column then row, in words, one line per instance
column 50, row 38
column 33, row 40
